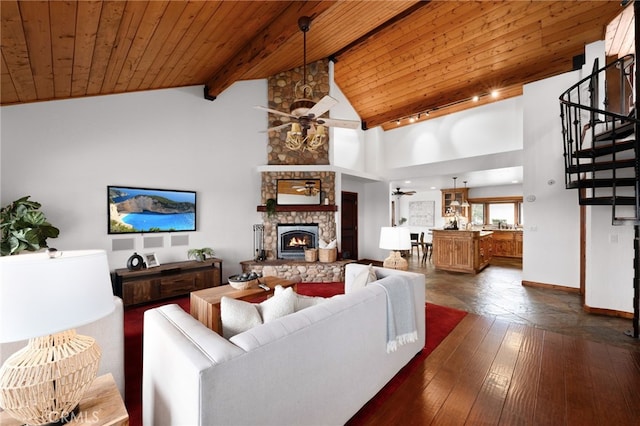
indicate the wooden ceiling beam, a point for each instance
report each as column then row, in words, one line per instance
column 261, row 46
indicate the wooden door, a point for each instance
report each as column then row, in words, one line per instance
column 349, row 242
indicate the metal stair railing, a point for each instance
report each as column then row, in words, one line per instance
column 591, row 133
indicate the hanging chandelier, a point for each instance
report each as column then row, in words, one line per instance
column 301, row 138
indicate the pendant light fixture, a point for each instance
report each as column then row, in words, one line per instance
column 465, row 203
column 454, row 202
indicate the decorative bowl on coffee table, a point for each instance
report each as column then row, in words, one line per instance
column 244, row 281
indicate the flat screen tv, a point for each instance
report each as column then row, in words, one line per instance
column 136, row 210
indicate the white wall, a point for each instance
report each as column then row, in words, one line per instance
column 514, row 190
column 65, row 153
column 551, row 231
column 347, row 149
column 609, row 261
column 484, row 130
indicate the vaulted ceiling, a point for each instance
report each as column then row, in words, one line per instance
column 393, row 59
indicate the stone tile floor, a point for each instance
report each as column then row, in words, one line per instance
column 498, row 291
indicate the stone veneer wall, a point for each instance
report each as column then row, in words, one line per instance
column 326, row 220
column 281, row 93
column 305, row 272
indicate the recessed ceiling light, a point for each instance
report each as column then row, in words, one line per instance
column 407, row 181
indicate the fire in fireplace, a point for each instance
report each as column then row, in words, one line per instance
column 293, row 239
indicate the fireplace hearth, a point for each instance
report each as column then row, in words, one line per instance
column 294, row 238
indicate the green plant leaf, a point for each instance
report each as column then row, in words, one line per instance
column 24, row 227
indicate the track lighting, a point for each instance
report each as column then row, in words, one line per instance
column 413, row 118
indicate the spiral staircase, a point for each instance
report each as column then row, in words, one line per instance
column 601, row 151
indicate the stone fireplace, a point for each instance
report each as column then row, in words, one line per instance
column 294, row 239
column 322, row 216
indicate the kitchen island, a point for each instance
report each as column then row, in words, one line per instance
column 461, row 250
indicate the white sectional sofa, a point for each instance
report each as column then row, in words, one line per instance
column 317, row 366
column 108, row 332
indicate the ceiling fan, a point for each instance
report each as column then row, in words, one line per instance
column 400, row 193
column 307, row 126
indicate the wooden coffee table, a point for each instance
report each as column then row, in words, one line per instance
column 205, row 304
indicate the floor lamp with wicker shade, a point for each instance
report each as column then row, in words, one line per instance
column 43, row 297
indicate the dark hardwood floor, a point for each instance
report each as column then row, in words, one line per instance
column 491, row 372
column 521, row 357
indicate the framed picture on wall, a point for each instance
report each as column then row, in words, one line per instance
column 298, row 192
column 421, row 213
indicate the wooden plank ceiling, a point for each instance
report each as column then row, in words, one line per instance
column 394, row 58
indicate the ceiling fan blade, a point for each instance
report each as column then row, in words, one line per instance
column 275, row 111
column 323, row 106
column 281, row 126
column 336, row 122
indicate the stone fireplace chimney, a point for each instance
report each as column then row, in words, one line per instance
column 281, row 94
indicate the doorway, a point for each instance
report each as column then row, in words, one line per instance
column 349, row 219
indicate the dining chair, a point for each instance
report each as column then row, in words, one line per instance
column 415, row 243
column 427, row 249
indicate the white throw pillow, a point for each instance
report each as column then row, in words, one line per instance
column 301, row 301
column 237, row 316
column 364, row 277
column 280, row 304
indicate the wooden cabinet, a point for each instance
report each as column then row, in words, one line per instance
column 461, row 251
column 459, row 195
column 168, row 280
column 507, row 243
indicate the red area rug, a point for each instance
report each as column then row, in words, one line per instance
column 440, row 321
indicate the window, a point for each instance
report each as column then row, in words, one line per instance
column 494, row 211
column 502, row 213
column 477, row 213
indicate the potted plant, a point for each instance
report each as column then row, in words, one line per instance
column 24, row 227
column 271, row 207
column 200, row 254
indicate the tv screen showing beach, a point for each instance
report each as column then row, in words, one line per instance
column 136, row 210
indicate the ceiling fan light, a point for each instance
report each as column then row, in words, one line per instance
column 300, row 107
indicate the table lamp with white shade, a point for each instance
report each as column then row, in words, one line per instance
column 396, row 239
column 43, row 298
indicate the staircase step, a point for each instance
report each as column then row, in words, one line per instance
column 601, row 165
column 608, row 201
column 601, row 183
column 622, row 130
column 607, row 149
column 626, row 221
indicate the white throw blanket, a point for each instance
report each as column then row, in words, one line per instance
column 401, row 317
